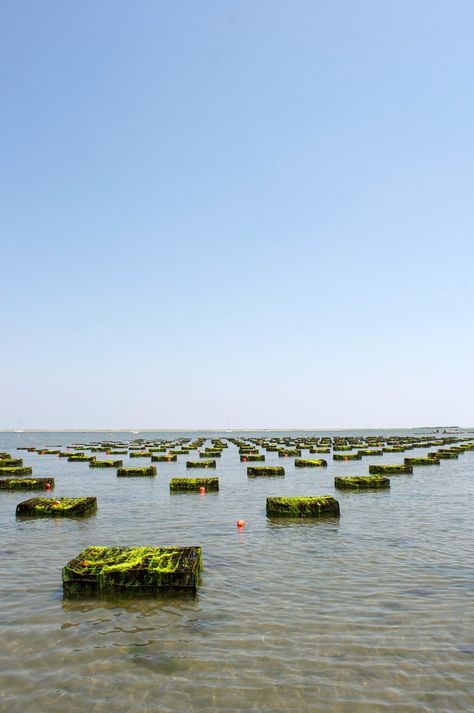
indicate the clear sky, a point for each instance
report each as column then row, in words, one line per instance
column 251, row 212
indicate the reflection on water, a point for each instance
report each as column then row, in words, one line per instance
column 368, row 612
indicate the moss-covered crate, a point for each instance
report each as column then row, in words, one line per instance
column 182, row 485
column 362, row 482
column 11, row 462
column 16, row 471
column 421, row 461
column 370, row 452
column 391, row 469
column 255, row 471
column 52, row 507
column 80, row 458
column 319, row 450
column 251, row 457
column 201, row 464
column 132, row 472
column 26, row 483
column 167, row 458
column 211, row 453
column 117, row 452
column 346, row 456
column 313, row 506
column 140, row 454
column 133, row 570
column 290, row 453
column 311, row 463
column 48, row 452
column 105, row 463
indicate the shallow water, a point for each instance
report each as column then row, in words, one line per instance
column 370, row 612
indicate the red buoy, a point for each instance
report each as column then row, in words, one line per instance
column 202, row 490
column 241, row 524
column 244, row 459
column 47, row 486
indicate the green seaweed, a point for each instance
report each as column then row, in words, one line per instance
column 421, row 461
column 52, row 507
column 201, row 464
column 193, row 484
column 26, row 483
column 310, row 463
column 147, row 471
column 138, row 569
column 346, row 456
column 361, row 482
column 312, row 506
column 105, row 463
column 16, row 471
column 391, row 469
column 255, row 471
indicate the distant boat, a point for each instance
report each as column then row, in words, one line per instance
column 134, row 431
column 19, row 430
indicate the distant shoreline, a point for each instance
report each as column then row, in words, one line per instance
column 431, row 429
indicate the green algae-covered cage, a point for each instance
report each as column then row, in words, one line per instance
column 80, row 458
column 11, row 462
column 290, row 453
column 182, row 485
column 313, row 506
column 167, row 458
column 52, row 507
column 16, row 471
column 147, row 471
column 448, row 455
column 361, row 482
column 201, row 464
column 106, row 464
column 311, row 463
column 254, row 471
column 391, row 469
column 346, row 456
column 140, row 454
column 319, row 450
column 252, row 457
column 370, row 452
column 26, row 483
column 421, row 461
column 134, row 570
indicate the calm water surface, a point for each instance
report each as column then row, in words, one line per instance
column 367, row 613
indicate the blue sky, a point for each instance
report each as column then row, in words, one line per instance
column 249, row 212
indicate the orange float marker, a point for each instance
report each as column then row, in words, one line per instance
column 241, row 524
